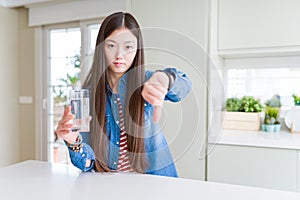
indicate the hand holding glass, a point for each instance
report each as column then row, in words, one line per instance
column 80, row 108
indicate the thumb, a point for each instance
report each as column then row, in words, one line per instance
column 157, row 113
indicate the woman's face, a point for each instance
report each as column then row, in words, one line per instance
column 120, row 49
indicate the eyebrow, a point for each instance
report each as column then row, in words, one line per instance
column 109, row 40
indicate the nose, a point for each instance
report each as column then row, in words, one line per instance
column 120, row 54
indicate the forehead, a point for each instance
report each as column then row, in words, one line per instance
column 122, row 35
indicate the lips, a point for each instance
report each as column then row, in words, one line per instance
column 118, row 64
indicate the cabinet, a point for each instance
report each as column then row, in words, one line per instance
column 298, row 174
column 254, row 166
column 258, row 24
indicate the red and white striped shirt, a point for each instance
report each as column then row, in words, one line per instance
column 123, row 163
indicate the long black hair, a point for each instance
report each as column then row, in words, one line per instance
column 134, row 106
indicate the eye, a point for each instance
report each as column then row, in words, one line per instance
column 128, row 47
column 110, row 45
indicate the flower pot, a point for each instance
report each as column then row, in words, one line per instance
column 263, row 127
column 270, row 128
column 241, row 121
column 277, row 127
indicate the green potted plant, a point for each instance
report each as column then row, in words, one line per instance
column 274, row 102
column 271, row 120
column 72, row 80
column 250, row 104
column 296, row 99
column 233, row 104
column 242, row 114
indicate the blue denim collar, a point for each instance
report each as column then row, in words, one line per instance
column 122, row 85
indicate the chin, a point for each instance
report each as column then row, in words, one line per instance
column 119, row 69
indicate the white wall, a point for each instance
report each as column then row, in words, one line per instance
column 26, row 86
column 175, row 35
column 9, row 118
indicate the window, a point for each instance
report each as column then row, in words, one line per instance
column 70, row 49
column 90, row 42
column 263, row 79
column 64, row 68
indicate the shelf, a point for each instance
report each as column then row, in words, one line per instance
column 282, row 139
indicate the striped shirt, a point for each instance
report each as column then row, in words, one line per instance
column 123, row 163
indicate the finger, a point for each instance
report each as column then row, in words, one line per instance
column 63, row 130
column 67, row 115
column 156, row 86
column 155, row 93
column 66, row 118
column 63, row 133
column 153, row 100
column 157, row 113
column 67, row 110
column 64, row 127
column 158, row 93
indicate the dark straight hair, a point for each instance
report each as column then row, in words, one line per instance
column 134, row 105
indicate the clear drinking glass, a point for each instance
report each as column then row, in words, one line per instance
column 80, row 108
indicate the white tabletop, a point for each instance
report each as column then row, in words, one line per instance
column 43, row 181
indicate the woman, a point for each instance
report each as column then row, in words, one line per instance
column 126, row 104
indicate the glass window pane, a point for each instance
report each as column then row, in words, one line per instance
column 64, row 68
column 93, row 33
column 61, row 67
column 264, row 83
column 64, row 42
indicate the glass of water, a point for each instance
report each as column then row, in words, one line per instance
column 80, row 108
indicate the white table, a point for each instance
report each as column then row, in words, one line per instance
column 43, row 181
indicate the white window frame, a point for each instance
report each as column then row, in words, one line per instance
column 42, row 69
column 86, row 40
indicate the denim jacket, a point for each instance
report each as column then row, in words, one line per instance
column 159, row 157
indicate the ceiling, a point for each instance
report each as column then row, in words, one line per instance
column 20, row 3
